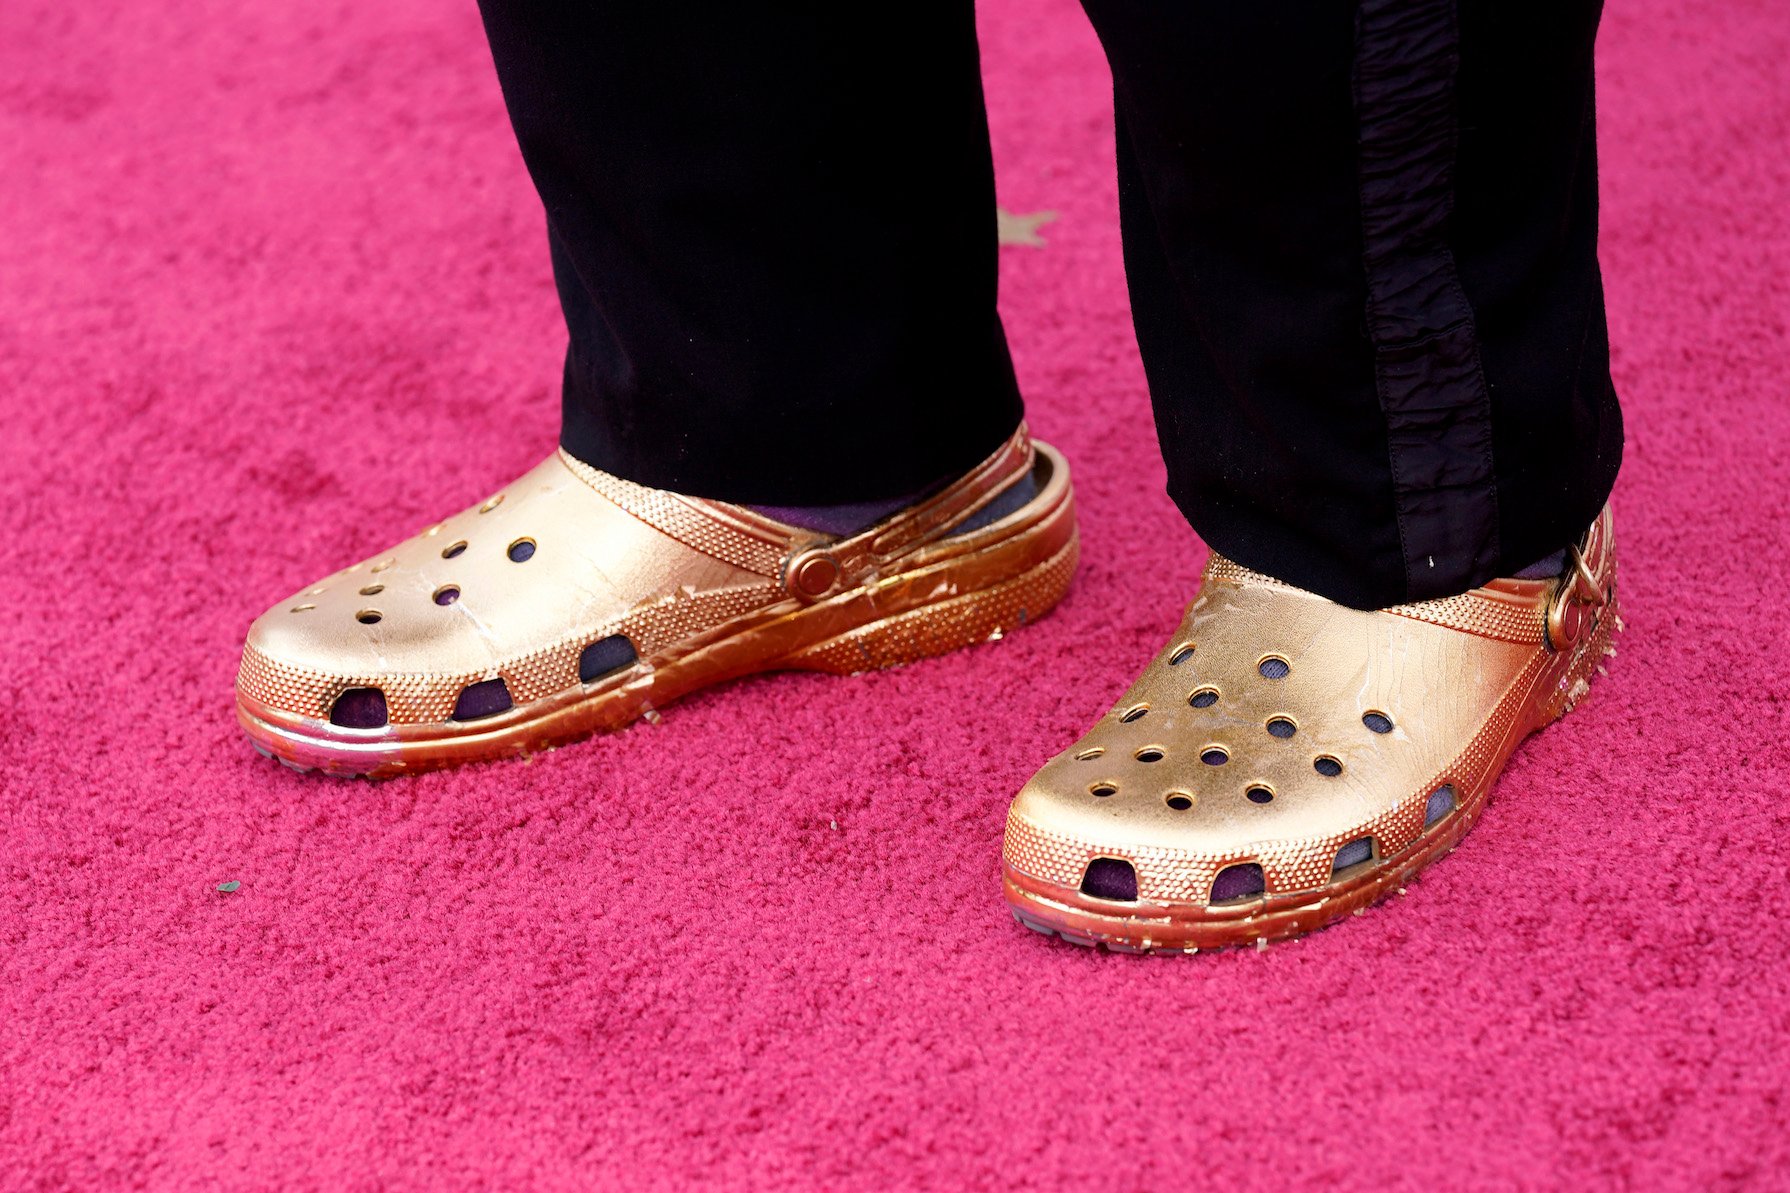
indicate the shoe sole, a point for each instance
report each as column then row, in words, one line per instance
column 954, row 593
column 1148, row 928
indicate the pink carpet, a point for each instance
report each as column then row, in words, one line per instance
column 274, row 292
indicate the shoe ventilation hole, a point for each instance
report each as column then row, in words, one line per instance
column 1282, row 728
column 1274, row 667
column 604, row 656
column 521, row 551
column 492, row 504
column 1135, row 714
column 1091, row 753
column 1110, row 878
column 447, row 594
column 318, row 591
column 1259, row 795
column 382, row 565
column 486, row 698
column 1204, row 698
column 1353, row 854
column 1180, row 801
column 302, row 608
column 435, row 530
column 1238, row 882
column 1102, row 790
column 453, row 550
column 359, row 708
column 1440, row 803
column 1180, row 656
column 369, row 617
column 1327, row 766
column 1149, row 754
column 1214, row 756
column 1379, row 722
column 372, row 590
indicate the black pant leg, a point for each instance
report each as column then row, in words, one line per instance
column 1361, row 245
column 773, row 233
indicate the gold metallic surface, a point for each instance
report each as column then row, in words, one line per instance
column 705, row 591
column 1165, row 785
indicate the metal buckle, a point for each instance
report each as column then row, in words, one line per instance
column 1574, row 603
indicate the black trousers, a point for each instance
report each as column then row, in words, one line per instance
column 1360, row 239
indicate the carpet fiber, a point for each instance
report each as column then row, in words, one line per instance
column 274, row 293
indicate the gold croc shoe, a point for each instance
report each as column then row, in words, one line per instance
column 574, row 601
column 1286, row 761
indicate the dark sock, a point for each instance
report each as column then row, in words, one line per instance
column 855, row 516
column 1553, row 565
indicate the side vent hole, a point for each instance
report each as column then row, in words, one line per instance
column 1235, row 883
column 1181, row 655
column 1379, row 722
column 1359, row 850
column 1274, row 667
column 454, row 550
column 521, row 551
column 1327, row 766
column 1259, row 795
column 447, row 594
column 1204, row 698
column 1282, row 728
column 1135, row 713
column 369, row 617
column 1180, row 801
column 1102, row 790
column 1214, row 756
column 372, row 590
column 605, row 656
column 359, row 708
column 1440, row 803
column 1149, row 754
column 486, row 698
column 1110, row 878
column 1091, row 753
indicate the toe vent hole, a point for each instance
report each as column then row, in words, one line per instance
column 447, row 594
column 1204, row 698
column 369, row 617
column 1091, row 753
column 606, row 656
column 1274, row 667
column 454, row 550
column 1215, row 756
column 486, row 698
column 1110, row 878
column 1327, row 766
column 1282, row 728
column 1379, row 722
column 521, row 551
column 1181, row 655
column 1441, row 802
column 1361, row 849
column 1237, row 883
column 1102, row 790
column 1259, row 795
column 1149, row 754
column 1180, row 801
column 359, row 708
column 1136, row 712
